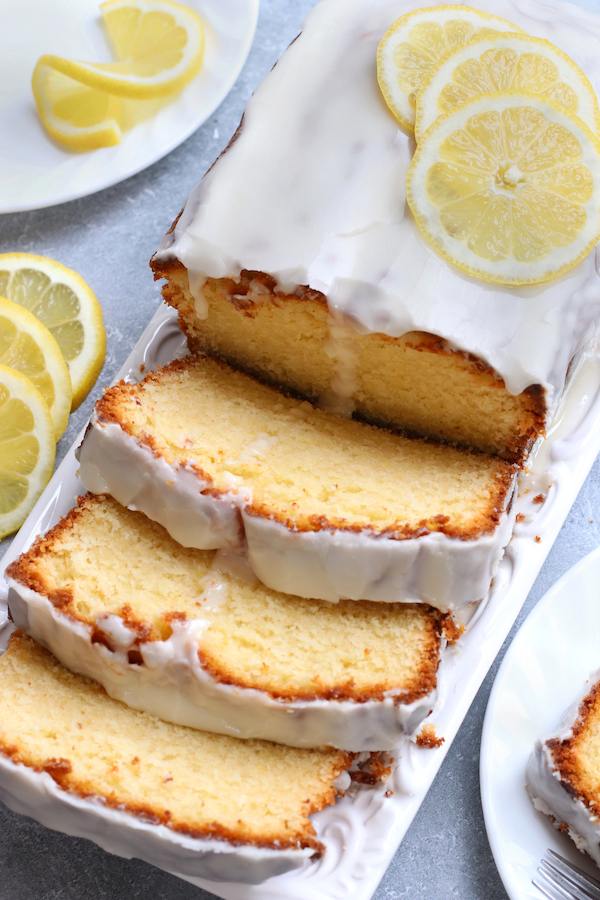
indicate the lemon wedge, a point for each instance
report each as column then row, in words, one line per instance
column 26, row 448
column 64, row 303
column 507, row 187
column 415, row 44
column 502, row 63
column 73, row 113
column 28, row 346
column 159, row 46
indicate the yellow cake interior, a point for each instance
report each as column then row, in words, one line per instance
column 103, row 559
column 194, row 782
column 303, row 466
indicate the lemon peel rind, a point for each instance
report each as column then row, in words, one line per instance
column 497, row 273
column 405, row 114
column 106, row 134
column 137, row 87
column 21, row 388
column 437, row 76
column 53, row 360
column 83, row 372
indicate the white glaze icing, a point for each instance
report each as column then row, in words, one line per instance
column 172, row 685
column 317, row 133
column 445, row 572
column 37, row 795
column 550, row 796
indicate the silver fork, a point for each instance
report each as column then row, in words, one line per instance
column 561, row 880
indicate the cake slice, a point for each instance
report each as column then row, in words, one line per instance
column 192, row 636
column 328, row 507
column 193, row 803
column 563, row 774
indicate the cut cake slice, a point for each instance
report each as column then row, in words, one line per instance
column 192, row 637
column 193, row 803
column 563, row 774
column 328, row 507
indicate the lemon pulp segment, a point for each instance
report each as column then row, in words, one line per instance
column 507, row 186
column 502, row 63
column 73, row 113
column 414, row 45
column 28, row 346
column 27, row 448
column 66, row 305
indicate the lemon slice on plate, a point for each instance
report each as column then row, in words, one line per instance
column 159, row 45
column 502, row 63
column 64, row 303
column 507, row 187
column 416, row 43
column 28, row 346
column 26, row 448
column 73, row 113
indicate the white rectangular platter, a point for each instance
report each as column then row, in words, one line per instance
column 363, row 830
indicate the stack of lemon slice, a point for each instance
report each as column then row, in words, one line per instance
column 159, row 48
column 52, row 345
column 505, row 179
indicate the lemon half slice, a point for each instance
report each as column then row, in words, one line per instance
column 26, row 448
column 28, row 346
column 159, row 45
column 507, row 186
column 417, row 42
column 73, row 113
column 503, row 63
column 64, row 303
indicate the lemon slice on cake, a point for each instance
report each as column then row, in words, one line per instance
column 416, row 43
column 159, row 46
column 27, row 448
column 505, row 62
column 28, row 346
column 64, row 303
column 73, row 113
column 507, row 187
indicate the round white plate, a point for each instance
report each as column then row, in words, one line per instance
column 541, row 676
column 35, row 171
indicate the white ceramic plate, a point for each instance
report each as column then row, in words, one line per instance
column 35, row 171
column 543, row 672
column 362, row 833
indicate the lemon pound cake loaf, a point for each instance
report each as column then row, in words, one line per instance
column 193, row 637
column 328, row 507
column 296, row 259
column 563, row 774
column 193, row 803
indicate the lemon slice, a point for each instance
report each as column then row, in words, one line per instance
column 26, row 448
column 159, row 45
column 416, row 43
column 64, row 303
column 73, row 113
column 28, row 346
column 502, row 63
column 507, row 186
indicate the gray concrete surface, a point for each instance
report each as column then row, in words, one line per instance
column 108, row 238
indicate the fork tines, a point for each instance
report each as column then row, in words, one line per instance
column 561, row 880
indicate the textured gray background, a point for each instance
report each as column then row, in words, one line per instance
column 108, row 238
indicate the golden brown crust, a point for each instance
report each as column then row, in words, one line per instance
column 565, row 754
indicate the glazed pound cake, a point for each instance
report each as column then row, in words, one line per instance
column 326, row 507
column 192, row 637
column 193, row 803
column 296, row 258
column 563, row 774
